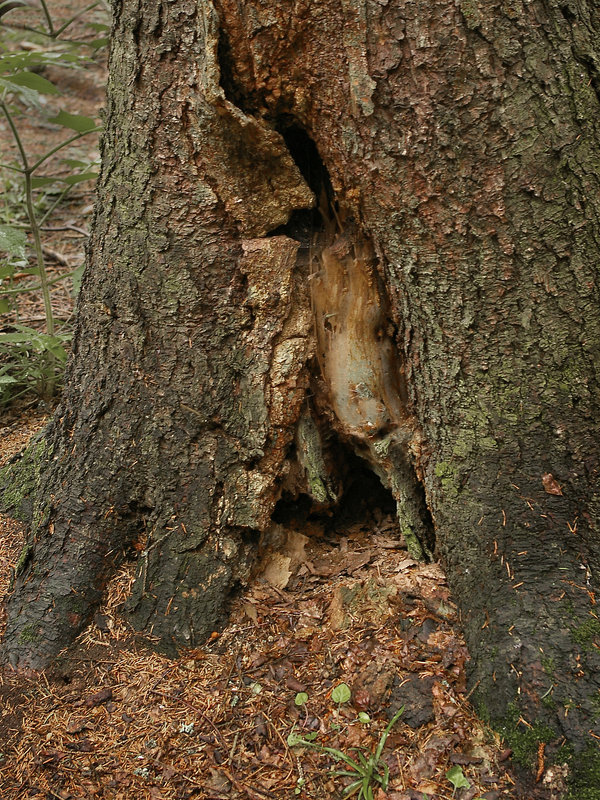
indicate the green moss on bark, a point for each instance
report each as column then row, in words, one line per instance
column 28, row 634
column 310, row 455
column 584, row 766
column 19, row 481
column 523, row 740
column 449, row 478
column 584, row 783
column 23, row 559
column 585, row 633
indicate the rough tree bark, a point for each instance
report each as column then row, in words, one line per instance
column 368, row 222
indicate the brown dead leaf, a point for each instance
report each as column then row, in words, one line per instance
column 427, row 788
column 288, row 552
column 550, row 483
column 361, row 699
column 355, row 736
column 371, row 685
column 295, row 547
column 260, row 726
column 433, row 571
column 341, row 599
column 218, row 781
column 167, row 771
column 100, row 697
column 324, row 567
column 425, row 764
column 78, row 725
column 464, row 760
column 277, row 571
column 354, row 561
column 81, row 746
column 50, row 756
column 295, row 685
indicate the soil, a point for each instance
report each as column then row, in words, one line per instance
column 335, row 602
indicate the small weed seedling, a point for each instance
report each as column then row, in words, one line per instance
column 368, row 772
column 340, row 695
column 456, row 777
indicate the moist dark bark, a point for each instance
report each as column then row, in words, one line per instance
column 437, row 165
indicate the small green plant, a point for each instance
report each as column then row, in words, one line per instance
column 457, row 778
column 31, row 360
column 367, row 772
column 301, row 699
column 341, row 694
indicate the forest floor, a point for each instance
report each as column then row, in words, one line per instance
column 342, row 604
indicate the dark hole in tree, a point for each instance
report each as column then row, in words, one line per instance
column 364, row 500
column 305, row 222
column 568, row 12
column 233, row 91
column 307, row 158
column 426, row 518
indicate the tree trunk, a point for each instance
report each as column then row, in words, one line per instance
column 374, row 224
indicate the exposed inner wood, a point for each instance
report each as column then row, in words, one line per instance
column 357, row 356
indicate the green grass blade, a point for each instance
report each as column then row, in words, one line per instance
column 386, row 733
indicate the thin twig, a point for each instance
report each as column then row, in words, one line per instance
column 56, row 256
column 48, row 229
